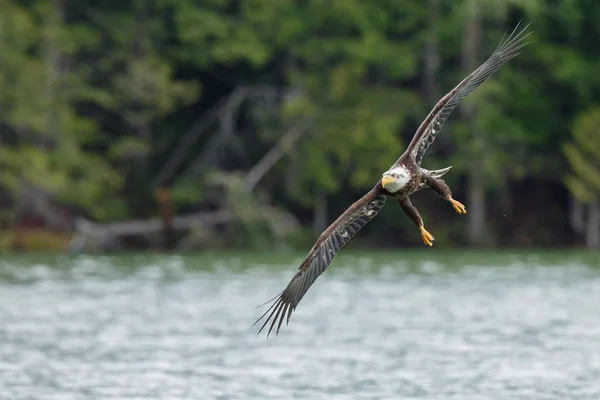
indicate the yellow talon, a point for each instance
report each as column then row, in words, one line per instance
column 458, row 206
column 426, row 236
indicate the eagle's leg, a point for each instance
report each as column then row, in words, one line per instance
column 443, row 190
column 415, row 217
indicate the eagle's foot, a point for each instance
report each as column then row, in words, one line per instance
column 458, row 206
column 426, row 236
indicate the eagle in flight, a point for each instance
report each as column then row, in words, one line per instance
column 404, row 178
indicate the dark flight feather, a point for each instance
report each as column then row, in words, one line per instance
column 362, row 211
column 507, row 49
column 320, row 256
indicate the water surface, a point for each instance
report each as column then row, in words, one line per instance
column 432, row 325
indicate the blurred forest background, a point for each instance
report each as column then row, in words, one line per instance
column 205, row 124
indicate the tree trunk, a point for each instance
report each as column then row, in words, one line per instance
column 283, row 146
column 141, row 47
column 592, row 236
column 165, row 210
column 32, row 200
column 576, row 215
column 320, row 213
column 53, row 71
column 432, row 54
column 476, row 217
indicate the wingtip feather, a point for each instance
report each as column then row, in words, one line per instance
column 356, row 216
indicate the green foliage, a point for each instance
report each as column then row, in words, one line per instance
column 44, row 135
column 211, row 32
column 344, row 59
column 94, row 99
column 62, row 174
column 583, row 154
column 256, row 224
column 146, row 90
column 128, row 147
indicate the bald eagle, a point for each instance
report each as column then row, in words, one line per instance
column 405, row 177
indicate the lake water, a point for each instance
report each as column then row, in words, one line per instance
column 404, row 325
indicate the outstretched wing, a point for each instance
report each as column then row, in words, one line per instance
column 318, row 259
column 507, row 49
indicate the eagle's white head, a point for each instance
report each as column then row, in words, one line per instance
column 395, row 179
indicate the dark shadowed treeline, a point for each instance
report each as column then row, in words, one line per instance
column 254, row 123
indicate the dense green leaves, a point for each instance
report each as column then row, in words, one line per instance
column 96, row 97
column 583, row 154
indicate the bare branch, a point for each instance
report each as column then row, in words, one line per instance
column 151, row 225
column 224, row 112
column 189, row 139
column 269, row 160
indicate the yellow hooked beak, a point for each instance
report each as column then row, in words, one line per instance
column 386, row 180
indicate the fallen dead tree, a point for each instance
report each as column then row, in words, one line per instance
column 107, row 235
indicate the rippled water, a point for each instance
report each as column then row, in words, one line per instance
column 390, row 326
